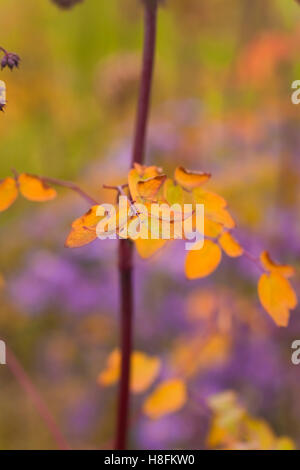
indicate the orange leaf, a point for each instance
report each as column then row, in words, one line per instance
column 190, row 179
column 80, row 236
column 145, row 370
column 8, row 193
column 169, row 397
column 269, row 265
column 211, row 228
column 230, row 245
column 200, row 263
column 173, row 193
column 34, row 189
column 277, row 297
column 211, row 201
column 111, row 374
column 140, row 173
column 147, row 248
column 223, row 217
column 147, row 171
column 84, row 229
column 149, row 188
column 214, row 207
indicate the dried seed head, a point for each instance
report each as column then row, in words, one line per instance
column 66, row 3
column 10, row 60
column 155, row 2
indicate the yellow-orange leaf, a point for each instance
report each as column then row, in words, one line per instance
column 147, row 171
column 149, row 188
column 173, row 193
column 169, row 397
column 230, row 245
column 111, row 374
column 222, row 216
column 89, row 219
column 271, row 266
column 80, row 236
column 200, row 263
column 34, row 189
column 140, row 173
column 190, row 179
column 8, row 193
column 277, row 297
column 211, row 201
column 214, row 207
column 84, row 229
column 212, row 229
column 147, row 248
column 145, row 370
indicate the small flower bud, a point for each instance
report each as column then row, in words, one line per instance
column 10, row 60
column 66, row 3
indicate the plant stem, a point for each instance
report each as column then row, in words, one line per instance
column 126, row 294
column 125, row 246
column 146, row 81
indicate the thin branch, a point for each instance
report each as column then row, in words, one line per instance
column 26, row 384
column 253, row 259
column 69, row 185
column 62, row 184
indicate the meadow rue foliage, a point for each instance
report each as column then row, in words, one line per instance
column 147, row 185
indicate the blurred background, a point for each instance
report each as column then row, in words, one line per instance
column 221, row 103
